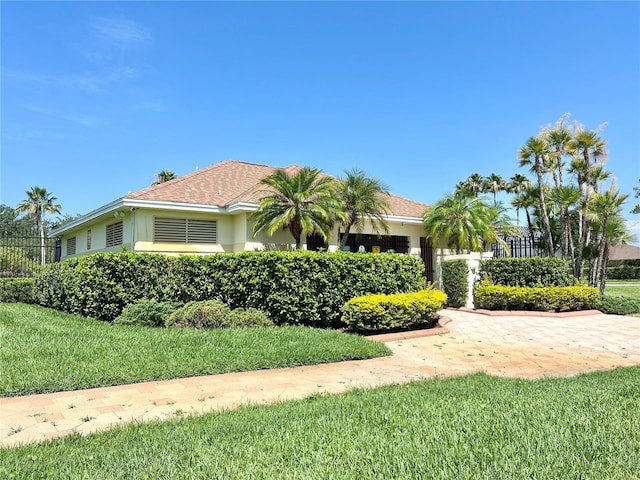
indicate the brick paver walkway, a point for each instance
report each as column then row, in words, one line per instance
column 514, row 345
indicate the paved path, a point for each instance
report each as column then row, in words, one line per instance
column 513, row 345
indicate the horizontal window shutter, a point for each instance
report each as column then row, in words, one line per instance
column 181, row 230
column 201, row 231
column 114, row 234
column 71, row 246
column 170, row 230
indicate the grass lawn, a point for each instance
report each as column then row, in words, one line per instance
column 623, row 291
column 43, row 350
column 472, row 427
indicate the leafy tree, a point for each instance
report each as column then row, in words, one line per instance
column 38, row 203
column 163, row 176
column 466, row 223
column 305, row 201
column 363, row 198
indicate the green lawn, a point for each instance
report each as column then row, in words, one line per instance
column 472, row 427
column 43, row 350
column 623, row 291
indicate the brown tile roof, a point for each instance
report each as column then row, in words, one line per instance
column 624, row 252
column 231, row 181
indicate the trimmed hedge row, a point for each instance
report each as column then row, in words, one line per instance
column 527, row 272
column 620, row 305
column 291, row 287
column 623, row 272
column 16, row 290
column 454, row 282
column 384, row 312
column 499, row 297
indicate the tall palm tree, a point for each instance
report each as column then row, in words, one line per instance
column 38, row 203
column 163, row 176
column 494, row 183
column 559, row 139
column 534, row 153
column 586, row 147
column 466, row 223
column 565, row 198
column 305, row 201
column 603, row 210
column 363, row 198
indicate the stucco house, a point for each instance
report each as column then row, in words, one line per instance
column 208, row 211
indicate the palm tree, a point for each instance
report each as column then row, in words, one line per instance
column 37, row 204
column 163, row 176
column 363, row 198
column 559, row 139
column 305, row 201
column 466, row 223
column 565, row 198
column 586, row 147
column 604, row 208
column 494, row 183
column 534, row 153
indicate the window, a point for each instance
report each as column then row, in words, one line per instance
column 89, row 239
column 114, row 234
column 71, row 246
column 184, row 230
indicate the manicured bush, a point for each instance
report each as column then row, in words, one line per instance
column 620, row 305
column 300, row 287
column 400, row 310
column 215, row 314
column 527, row 272
column 499, row 297
column 16, row 290
column 146, row 313
column 250, row 317
column 454, row 282
column 623, row 272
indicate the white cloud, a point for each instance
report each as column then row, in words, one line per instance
column 122, row 33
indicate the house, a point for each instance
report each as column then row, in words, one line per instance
column 624, row 252
column 208, row 211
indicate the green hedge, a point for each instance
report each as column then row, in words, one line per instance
column 499, row 297
column 215, row 314
column 291, row 287
column 401, row 310
column 623, row 272
column 620, row 305
column 454, row 282
column 527, row 272
column 16, row 290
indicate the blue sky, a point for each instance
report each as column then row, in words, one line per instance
column 97, row 97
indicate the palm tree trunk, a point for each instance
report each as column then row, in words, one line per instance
column 545, row 216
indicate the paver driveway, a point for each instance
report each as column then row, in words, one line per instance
column 513, row 345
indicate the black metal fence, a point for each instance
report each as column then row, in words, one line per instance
column 21, row 252
column 527, row 245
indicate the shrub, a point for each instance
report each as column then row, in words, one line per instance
column 623, row 272
column 499, row 297
column 401, row 310
column 291, row 287
column 527, row 272
column 146, row 313
column 454, row 282
column 206, row 314
column 16, row 290
column 250, row 317
column 215, row 314
column 620, row 305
